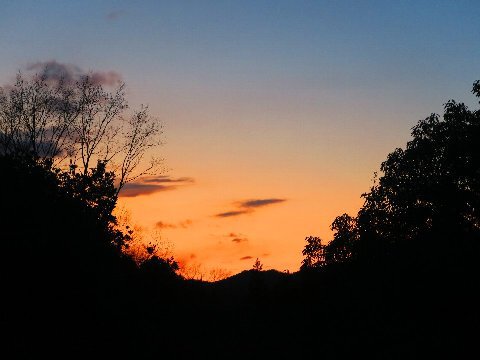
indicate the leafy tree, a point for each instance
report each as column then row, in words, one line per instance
column 313, row 253
column 345, row 238
column 430, row 189
column 426, row 200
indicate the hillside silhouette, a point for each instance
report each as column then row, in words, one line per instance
column 399, row 280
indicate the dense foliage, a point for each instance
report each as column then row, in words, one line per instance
column 427, row 200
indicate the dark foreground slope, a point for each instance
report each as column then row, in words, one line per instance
column 67, row 292
column 384, row 310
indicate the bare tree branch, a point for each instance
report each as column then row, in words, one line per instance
column 79, row 121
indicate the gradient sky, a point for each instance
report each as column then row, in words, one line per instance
column 276, row 113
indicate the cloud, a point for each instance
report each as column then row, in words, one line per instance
column 246, row 257
column 114, row 15
column 237, row 238
column 137, row 189
column 55, row 71
column 259, row 202
column 232, row 213
column 180, row 225
column 151, row 185
column 162, row 225
column 185, row 224
column 109, row 78
column 248, row 206
column 166, row 179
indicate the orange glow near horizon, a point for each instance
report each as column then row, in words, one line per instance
column 300, row 167
column 288, row 208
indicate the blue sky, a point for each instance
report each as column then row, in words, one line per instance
column 335, row 43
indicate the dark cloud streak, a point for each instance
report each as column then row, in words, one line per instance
column 259, row 202
column 137, row 189
column 248, row 206
column 166, row 179
column 152, row 184
column 232, row 213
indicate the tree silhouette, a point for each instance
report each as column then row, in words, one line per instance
column 313, row 253
column 76, row 133
column 55, row 120
column 77, row 129
column 345, row 238
column 430, row 187
column 426, row 200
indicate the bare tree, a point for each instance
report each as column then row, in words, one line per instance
column 217, row 274
column 55, row 119
column 141, row 134
column 35, row 118
column 141, row 245
column 192, row 271
column 96, row 128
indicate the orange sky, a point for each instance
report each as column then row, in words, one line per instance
column 317, row 157
column 291, row 204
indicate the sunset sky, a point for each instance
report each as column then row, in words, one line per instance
column 276, row 114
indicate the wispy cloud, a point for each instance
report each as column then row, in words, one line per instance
column 114, row 15
column 110, row 78
column 152, row 184
column 248, row 206
column 232, row 213
column 166, row 179
column 248, row 257
column 259, row 202
column 237, row 238
column 137, row 189
column 180, row 225
column 55, row 71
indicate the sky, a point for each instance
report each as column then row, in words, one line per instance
column 276, row 114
